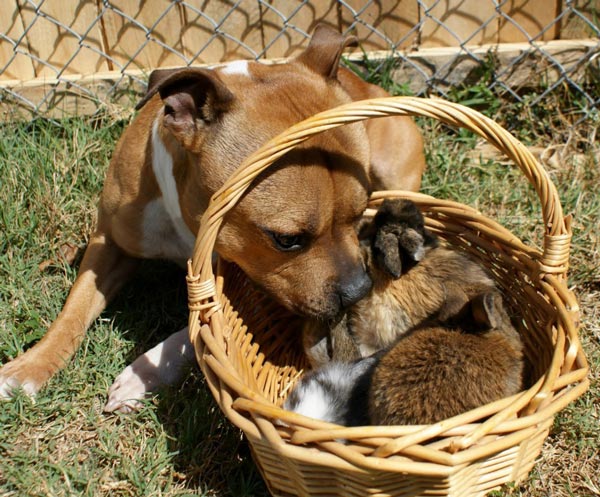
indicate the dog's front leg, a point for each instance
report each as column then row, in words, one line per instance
column 164, row 364
column 104, row 269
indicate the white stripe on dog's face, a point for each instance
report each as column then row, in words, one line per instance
column 239, row 67
column 165, row 232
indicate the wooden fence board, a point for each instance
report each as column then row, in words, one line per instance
column 574, row 27
column 18, row 65
column 57, row 45
column 461, row 22
column 452, row 67
column 241, row 29
column 531, row 16
column 304, row 17
column 131, row 46
column 393, row 18
column 241, row 23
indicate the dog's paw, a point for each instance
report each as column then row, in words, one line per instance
column 133, row 385
column 162, row 365
column 21, row 374
column 9, row 386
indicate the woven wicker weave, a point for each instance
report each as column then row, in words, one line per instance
column 249, row 349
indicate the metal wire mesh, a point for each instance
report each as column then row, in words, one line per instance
column 73, row 57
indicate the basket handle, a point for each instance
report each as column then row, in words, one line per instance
column 557, row 234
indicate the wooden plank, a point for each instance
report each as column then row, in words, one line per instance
column 574, row 27
column 424, row 63
column 14, row 65
column 284, row 23
column 74, row 95
column 519, row 65
column 221, row 30
column 450, row 23
column 528, row 19
column 58, row 47
column 139, row 35
column 534, row 68
column 395, row 19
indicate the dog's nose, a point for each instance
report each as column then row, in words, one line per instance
column 355, row 288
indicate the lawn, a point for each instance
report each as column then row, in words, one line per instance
column 61, row 444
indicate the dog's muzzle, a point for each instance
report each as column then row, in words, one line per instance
column 354, row 289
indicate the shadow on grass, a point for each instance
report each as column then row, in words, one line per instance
column 209, row 455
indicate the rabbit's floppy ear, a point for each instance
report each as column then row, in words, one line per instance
column 400, row 238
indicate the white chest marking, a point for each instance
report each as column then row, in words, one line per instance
column 161, row 239
column 165, row 232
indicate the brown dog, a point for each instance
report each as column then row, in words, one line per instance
column 292, row 233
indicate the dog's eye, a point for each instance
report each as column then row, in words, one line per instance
column 288, row 243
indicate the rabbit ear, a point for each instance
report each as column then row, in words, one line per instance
column 400, row 239
column 404, row 213
column 487, row 310
column 387, row 254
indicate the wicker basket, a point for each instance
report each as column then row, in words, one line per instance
column 249, row 348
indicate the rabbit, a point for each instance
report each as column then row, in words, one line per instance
column 327, row 393
column 414, row 278
column 443, row 370
column 435, row 371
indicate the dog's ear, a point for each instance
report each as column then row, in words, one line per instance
column 400, row 238
column 190, row 96
column 325, row 49
column 156, row 77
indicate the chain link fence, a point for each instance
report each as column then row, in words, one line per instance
column 67, row 57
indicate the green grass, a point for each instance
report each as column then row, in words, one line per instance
column 62, row 444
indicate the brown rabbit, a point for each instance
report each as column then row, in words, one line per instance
column 414, row 280
column 432, row 373
column 437, row 372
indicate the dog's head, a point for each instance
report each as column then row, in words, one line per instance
column 293, row 232
column 398, row 237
